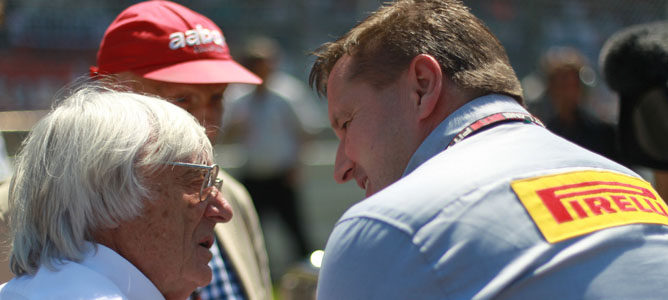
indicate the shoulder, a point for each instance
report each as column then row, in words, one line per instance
column 472, row 180
column 70, row 281
column 355, row 265
column 245, row 217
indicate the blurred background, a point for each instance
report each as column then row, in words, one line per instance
column 46, row 44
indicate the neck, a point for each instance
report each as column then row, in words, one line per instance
column 451, row 99
column 105, row 237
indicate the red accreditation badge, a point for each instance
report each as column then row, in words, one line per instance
column 571, row 204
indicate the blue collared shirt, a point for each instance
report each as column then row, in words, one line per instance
column 103, row 274
column 452, row 227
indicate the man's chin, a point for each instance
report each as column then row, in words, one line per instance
column 203, row 276
column 205, row 282
column 189, row 283
column 370, row 191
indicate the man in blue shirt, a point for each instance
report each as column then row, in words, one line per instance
column 469, row 196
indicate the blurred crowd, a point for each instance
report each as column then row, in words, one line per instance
column 46, row 44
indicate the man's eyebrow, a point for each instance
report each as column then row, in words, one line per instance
column 339, row 118
column 188, row 172
column 217, row 95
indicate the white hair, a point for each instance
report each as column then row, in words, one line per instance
column 84, row 167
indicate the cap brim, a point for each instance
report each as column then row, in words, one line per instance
column 203, row 71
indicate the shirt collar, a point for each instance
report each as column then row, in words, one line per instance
column 470, row 112
column 132, row 282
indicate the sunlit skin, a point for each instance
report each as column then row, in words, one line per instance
column 204, row 101
column 169, row 242
column 380, row 129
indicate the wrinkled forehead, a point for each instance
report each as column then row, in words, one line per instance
column 163, row 87
column 166, row 89
column 341, row 74
column 202, row 158
column 169, row 168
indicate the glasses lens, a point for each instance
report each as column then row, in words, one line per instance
column 213, row 175
column 211, row 179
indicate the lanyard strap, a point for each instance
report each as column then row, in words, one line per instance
column 494, row 119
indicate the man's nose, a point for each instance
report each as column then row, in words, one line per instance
column 343, row 166
column 217, row 208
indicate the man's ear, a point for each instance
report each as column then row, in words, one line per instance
column 427, row 81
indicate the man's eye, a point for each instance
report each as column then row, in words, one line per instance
column 217, row 97
column 182, row 102
column 197, row 179
column 345, row 125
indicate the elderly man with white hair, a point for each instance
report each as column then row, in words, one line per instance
column 114, row 196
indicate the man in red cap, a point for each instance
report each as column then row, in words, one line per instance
column 165, row 49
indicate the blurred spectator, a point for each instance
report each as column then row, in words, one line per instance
column 566, row 70
column 5, row 174
column 635, row 65
column 272, row 121
column 5, row 164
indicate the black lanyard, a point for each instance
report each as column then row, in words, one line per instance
column 494, row 119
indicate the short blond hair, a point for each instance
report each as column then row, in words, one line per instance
column 384, row 43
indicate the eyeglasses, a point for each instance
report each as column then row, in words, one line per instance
column 210, row 179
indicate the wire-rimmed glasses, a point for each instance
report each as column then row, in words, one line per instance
column 210, row 179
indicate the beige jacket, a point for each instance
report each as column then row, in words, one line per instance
column 243, row 242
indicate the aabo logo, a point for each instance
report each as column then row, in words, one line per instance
column 571, row 204
column 199, row 37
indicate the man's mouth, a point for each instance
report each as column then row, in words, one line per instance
column 363, row 182
column 206, row 242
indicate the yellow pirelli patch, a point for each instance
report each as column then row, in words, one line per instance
column 571, row 204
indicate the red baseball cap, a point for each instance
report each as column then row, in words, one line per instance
column 165, row 41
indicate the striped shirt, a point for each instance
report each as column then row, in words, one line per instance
column 225, row 283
